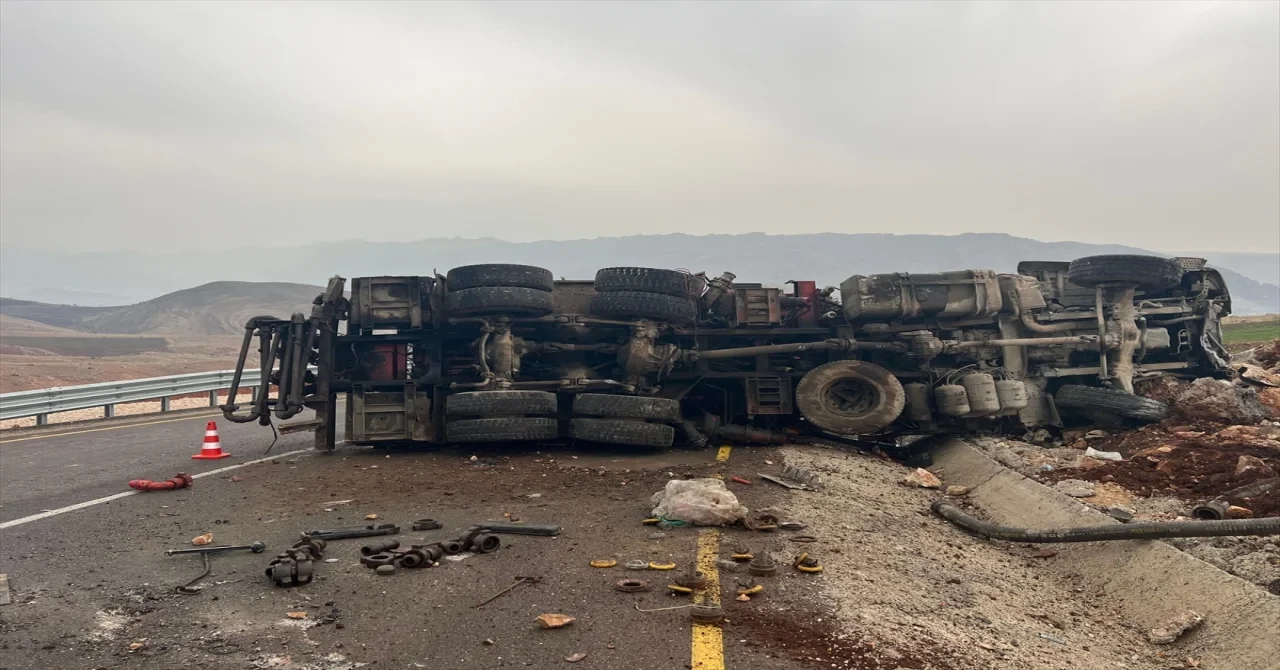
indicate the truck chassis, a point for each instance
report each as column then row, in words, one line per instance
column 656, row 358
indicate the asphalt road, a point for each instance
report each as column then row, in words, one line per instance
column 93, row 589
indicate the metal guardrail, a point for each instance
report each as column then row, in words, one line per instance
column 42, row 402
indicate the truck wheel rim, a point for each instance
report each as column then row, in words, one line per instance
column 851, row 397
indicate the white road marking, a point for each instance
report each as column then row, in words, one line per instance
column 99, row 501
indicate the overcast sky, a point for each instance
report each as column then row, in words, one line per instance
column 169, row 126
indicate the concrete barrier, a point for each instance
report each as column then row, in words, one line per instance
column 1150, row 581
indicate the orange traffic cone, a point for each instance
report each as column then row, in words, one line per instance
column 212, row 447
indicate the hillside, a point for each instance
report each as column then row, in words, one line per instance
column 827, row 258
column 217, row 308
column 12, row 325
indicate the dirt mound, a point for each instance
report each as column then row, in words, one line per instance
column 1189, row 461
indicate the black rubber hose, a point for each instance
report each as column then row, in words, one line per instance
column 1131, row 531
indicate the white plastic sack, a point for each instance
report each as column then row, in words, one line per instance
column 703, row 502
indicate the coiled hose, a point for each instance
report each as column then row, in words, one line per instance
column 1132, row 531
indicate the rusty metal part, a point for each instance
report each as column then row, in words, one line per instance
column 353, row 532
column 414, row 558
column 485, row 543
column 697, row 580
column 706, row 613
column 750, row 590
column 452, row 547
column 741, row 554
column 676, row 588
column 499, row 594
column 631, row 585
column 804, row 556
column 379, row 547
column 295, row 566
column 432, row 552
column 763, row 566
column 662, row 566
column 427, row 524
column 376, row 560
column 256, row 547
column 603, row 563
column 313, row 547
column 541, row 529
column 792, row 525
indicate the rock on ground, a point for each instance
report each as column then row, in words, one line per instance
column 1220, row 401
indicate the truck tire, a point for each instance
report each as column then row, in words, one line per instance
column 627, row 406
column 523, row 276
column 637, row 305
column 850, row 397
column 502, row 430
column 1149, row 273
column 481, row 403
column 499, row 300
column 620, row 431
column 650, row 280
column 1114, row 402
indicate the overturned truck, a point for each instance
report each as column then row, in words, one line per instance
column 654, row 357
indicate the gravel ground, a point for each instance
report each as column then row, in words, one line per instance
column 900, row 581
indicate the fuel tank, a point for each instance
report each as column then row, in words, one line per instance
column 961, row 294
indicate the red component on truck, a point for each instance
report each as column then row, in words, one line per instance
column 391, row 362
column 808, row 291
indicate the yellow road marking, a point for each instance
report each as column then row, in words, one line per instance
column 723, row 454
column 708, row 639
column 96, row 430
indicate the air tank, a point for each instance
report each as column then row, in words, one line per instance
column 952, row 400
column 1037, row 412
column 981, row 389
column 1012, row 394
column 918, row 402
column 962, row 294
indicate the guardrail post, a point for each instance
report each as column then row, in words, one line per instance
column 213, row 398
column 164, row 404
column 42, row 419
column 108, row 411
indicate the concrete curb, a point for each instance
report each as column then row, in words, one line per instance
column 1151, row 581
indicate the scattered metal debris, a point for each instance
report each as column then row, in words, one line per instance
column 295, row 566
column 706, row 613
column 795, row 478
column 763, row 566
column 256, row 547
column 631, row 585
column 503, row 592
column 353, row 532
column 541, row 529
column 427, row 524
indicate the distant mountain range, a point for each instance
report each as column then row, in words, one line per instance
column 217, row 308
column 773, row 259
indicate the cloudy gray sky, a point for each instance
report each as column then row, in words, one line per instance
column 176, row 125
